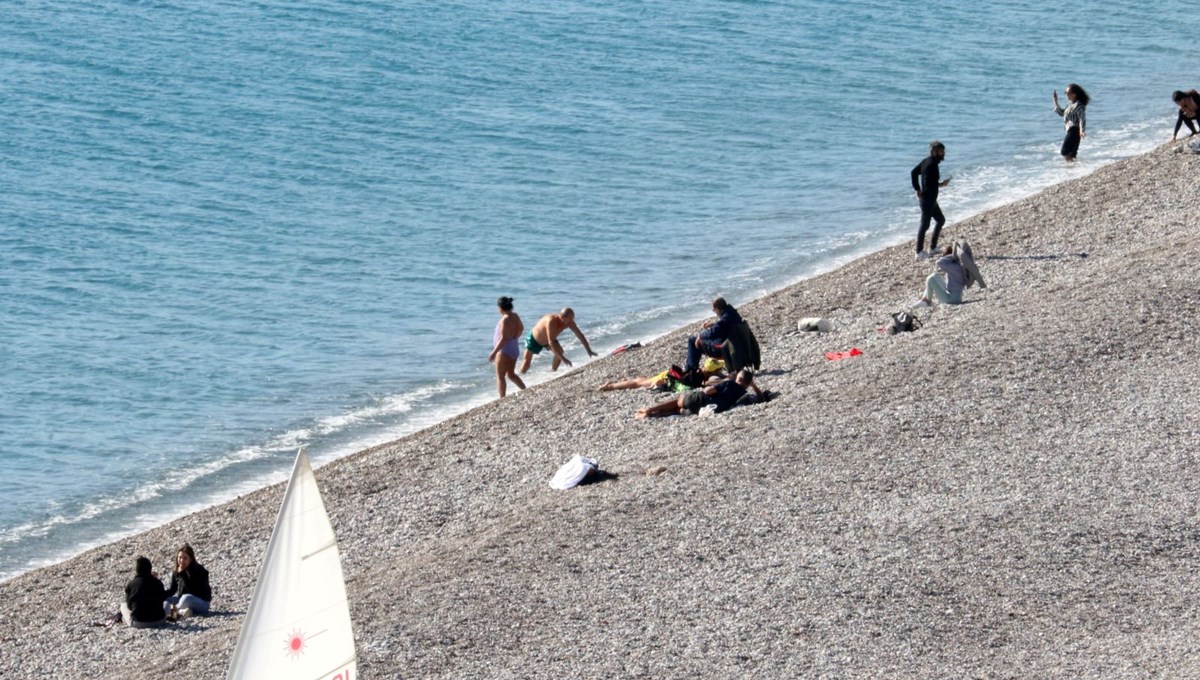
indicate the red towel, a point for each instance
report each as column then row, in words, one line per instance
column 834, row 356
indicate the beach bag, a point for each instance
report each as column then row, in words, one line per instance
column 903, row 322
column 679, row 380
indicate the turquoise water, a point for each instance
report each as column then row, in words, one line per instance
column 230, row 229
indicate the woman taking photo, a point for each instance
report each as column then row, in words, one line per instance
column 1074, row 119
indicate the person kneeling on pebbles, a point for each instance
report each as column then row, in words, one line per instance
column 190, row 591
column 946, row 290
column 724, row 395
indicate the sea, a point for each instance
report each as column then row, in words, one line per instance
column 233, row 228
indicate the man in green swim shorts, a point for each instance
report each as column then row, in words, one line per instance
column 545, row 334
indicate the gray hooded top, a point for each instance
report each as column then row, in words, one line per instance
column 962, row 249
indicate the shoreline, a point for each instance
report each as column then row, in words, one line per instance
column 460, row 508
column 469, row 401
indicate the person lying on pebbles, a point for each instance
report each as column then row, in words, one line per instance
column 724, row 395
column 709, row 368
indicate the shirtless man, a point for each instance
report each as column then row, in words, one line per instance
column 545, row 334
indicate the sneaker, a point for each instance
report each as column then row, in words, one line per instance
column 922, row 255
column 184, row 613
column 921, row 304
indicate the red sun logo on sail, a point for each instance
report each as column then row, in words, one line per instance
column 295, row 644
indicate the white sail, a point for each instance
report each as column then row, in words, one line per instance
column 298, row 625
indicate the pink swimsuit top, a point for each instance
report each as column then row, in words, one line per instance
column 511, row 348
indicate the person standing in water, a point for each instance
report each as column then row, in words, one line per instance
column 1074, row 119
column 545, row 334
column 926, row 179
column 506, row 347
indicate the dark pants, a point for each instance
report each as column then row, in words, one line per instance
column 694, row 353
column 1070, row 145
column 930, row 212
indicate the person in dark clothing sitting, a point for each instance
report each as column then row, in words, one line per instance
column 724, row 394
column 708, row 343
column 190, row 591
column 144, row 596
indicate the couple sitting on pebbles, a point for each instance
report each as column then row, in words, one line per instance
column 149, row 605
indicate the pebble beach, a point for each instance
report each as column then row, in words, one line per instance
column 1009, row 491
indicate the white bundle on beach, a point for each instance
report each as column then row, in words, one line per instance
column 814, row 323
column 573, row 472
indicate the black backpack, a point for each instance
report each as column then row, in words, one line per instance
column 679, row 380
column 903, row 322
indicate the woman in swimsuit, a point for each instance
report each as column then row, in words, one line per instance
column 506, row 350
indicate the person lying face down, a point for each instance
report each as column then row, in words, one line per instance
column 724, row 394
column 946, row 290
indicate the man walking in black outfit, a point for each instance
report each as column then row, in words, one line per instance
column 925, row 180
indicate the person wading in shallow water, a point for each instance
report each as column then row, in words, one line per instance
column 506, row 347
column 144, row 595
column 926, row 179
column 545, row 334
column 1074, row 119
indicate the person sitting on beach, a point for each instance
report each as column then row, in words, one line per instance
column 190, row 591
column 709, row 369
column 144, row 595
column 545, row 334
column 1189, row 109
column 948, row 290
column 724, row 395
column 506, row 346
column 709, row 341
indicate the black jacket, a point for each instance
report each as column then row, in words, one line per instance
column 741, row 349
column 719, row 331
column 144, row 596
column 928, row 175
column 192, row 581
